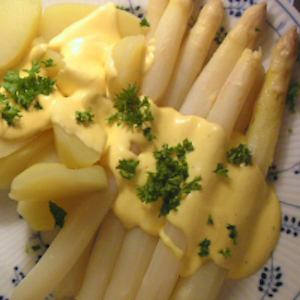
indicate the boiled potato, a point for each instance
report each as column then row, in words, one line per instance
column 48, row 155
column 37, row 213
column 72, row 151
column 64, row 15
column 128, row 55
column 19, row 23
column 129, row 24
column 54, row 182
column 9, row 147
column 15, row 163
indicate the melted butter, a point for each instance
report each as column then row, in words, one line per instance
column 243, row 199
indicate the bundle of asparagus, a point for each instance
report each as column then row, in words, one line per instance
column 135, row 265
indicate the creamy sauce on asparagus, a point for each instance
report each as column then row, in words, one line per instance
column 242, row 199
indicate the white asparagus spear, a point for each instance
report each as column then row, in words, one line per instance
column 193, row 53
column 102, row 259
column 155, row 11
column 264, row 127
column 202, row 284
column 131, row 265
column 167, row 41
column 71, row 283
column 64, row 251
column 204, row 91
column 246, row 113
column 235, row 90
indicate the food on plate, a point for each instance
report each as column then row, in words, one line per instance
column 178, row 193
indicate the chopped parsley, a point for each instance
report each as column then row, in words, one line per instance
column 58, row 213
column 128, row 168
column 120, row 7
column 48, row 63
column 233, row 233
column 226, row 253
column 221, row 170
column 257, row 29
column 8, row 112
column 132, row 110
column 240, row 155
column 291, row 97
column 84, row 117
column 210, row 220
column 204, row 248
column 169, row 181
column 24, row 90
column 144, row 23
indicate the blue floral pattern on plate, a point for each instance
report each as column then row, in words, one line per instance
column 279, row 279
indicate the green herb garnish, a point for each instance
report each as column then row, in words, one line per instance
column 144, row 23
column 226, row 253
column 49, row 63
column 210, row 220
column 239, row 155
column 292, row 96
column 233, row 233
column 221, row 170
column 58, row 213
column 169, row 181
column 204, row 248
column 127, row 168
column 24, row 90
column 84, row 117
column 121, row 7
column 132, row 110
column 8, row 112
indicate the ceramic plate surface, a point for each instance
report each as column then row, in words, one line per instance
column 280, row 277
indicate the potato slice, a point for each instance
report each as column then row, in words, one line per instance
column 72, row 151
column 128, row 55
column 49, row 182
column 37, row 213
column 129, row 24
column 19, row 22
column 15, row 163
column 64, row 15
column 9, row 147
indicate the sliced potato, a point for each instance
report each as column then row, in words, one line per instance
column 37, row 213
column 9, row 147
column 15, row 163
column 129, row 24
column 64, row 15
column 19, row 23
column 48, row 155
column 72, row 151
column 49, row 182
column 128, row 55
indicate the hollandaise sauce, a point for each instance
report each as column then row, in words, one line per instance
column 232, row 218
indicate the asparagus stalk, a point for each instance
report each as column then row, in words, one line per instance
column 204, row 91
column 155, row 11
column 193, row 53
column 264, row 128
column 167, row 41
column 103, row 258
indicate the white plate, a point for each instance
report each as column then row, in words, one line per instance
column 280, row 277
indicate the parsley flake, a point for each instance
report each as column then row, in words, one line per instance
column 221, row 170
column 144, row 23
column 84, row 117
column 239, row 155
column 58, row 213
column 210, row 220
column 128, row 168
column 24, row 90
column 132, row 110
column 292, row 96
column 48, row 63
column 226, row 253
column 169, row 181
column 9, row 113
column 204, row 248
column 233, row 233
